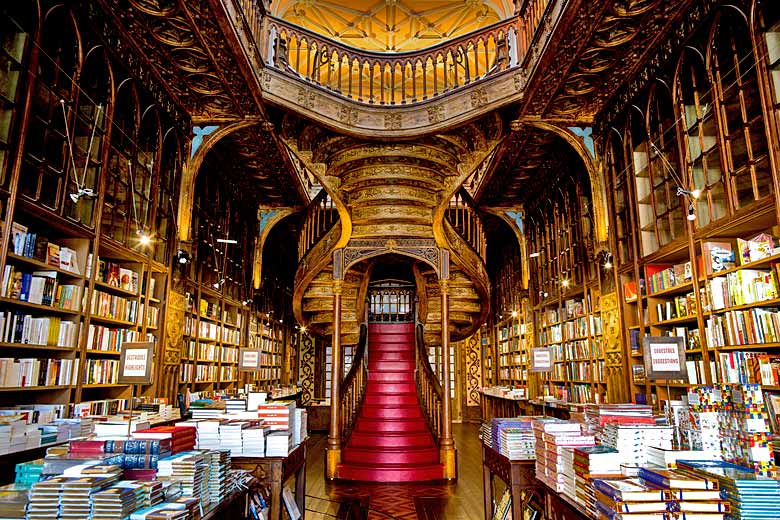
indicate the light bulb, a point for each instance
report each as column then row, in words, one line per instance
column 303, row 330
column 691, row 212
column 565, row 282
column 696, row 193
column 608, row 265
column 514, row 314
column 143, row 238
column 534, row 255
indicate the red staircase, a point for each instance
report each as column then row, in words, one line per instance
column 391, row 441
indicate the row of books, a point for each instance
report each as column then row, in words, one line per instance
column 40, row 288
column 227, row 373
column 114, row 307
column 110, row 339
column 18, row 327
column 208, row 352
column 743, row 287
column 38, row 247
column 231, row 336
column 748, row 327
column 101, row 371
column 30, row 372
column 579, row 371
column 749, row 367
column 114, row 274
column 205, row 372
column 678, row 307
column 578, row 350
column 229, row 355
column 270, row 359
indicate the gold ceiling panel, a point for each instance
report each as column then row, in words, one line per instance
column 392, row 25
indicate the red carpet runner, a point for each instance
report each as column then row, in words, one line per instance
column 391, row 442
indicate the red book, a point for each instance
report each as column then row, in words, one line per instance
column 93, row 447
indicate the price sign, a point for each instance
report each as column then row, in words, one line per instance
column 135, row 363
column 541, row 360
column 665, row 357
column 249, row 360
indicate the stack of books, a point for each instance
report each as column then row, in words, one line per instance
column 183, row 438
column 45, row 499
column 599, row 415
column 191, row 469
column 278, row 444
column 13, row 501
column 300, row 429
column 235, row 405
column 208, row 434
column 152, row 493
column 231, row 436
column 593, row 462
column 687, row 493
column 618, row 497
column 28, row 473
column 254, row 440
column 552, row 436
column 750, row 496
column 632, row 441
column 745, row 431
column 699, row 428
column 667, row 458
column 277, row 415
column 519, row 442
column 219, row 468
column 118, row 501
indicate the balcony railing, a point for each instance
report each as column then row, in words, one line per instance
column 466, row 220
column 377, row 78
column 390, row 303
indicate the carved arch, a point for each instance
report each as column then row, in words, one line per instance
column 191, row 169
column 267, row 219
column 595, row 169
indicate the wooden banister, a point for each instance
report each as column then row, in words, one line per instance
column 464, row 217
column 428, row 387
column 319, row 218
column 354, row 387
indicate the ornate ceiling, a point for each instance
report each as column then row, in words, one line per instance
column 392, row 25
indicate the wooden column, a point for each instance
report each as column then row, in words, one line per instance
column 334, row 436
column 447, row 444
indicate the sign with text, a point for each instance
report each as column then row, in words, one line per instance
column 248, row 360
column 665, row 357
column 135, row 363
column 541, row 360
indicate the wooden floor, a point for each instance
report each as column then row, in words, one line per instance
column 424, row 501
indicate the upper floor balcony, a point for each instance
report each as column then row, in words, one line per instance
column 399, row 93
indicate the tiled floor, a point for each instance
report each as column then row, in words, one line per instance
column 426, row 501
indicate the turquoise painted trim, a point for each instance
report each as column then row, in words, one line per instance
column 586, row 134
column 200, row 136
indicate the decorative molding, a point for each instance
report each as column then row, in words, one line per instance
column 358, row 250
column 473, row 379
column 307, row 369
column 412, row 120
column 200, row 136
column 174, row 329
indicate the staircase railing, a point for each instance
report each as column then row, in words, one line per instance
column 464, row 217
column 354, row 387
column 320, row 216
column 428, row 387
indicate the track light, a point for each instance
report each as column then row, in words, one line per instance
column 691, row 212
column 182, row 256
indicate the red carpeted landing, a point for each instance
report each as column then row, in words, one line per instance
column 391, row 442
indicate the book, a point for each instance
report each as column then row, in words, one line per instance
column 19, row 236
column 667, row 478
column 53, row 254
column 628, row 490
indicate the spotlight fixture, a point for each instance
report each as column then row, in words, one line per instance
column 143, row 238
column 694, row 194
column 691, row 212
column 303, row 330
column 227, row 241
column 514, row 314
column 565, row 283
column 182, row 256
column 216, row 285
column 85, row 193
column 608, row 264
column 534, row 255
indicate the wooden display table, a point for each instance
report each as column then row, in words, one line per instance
column 501, row 406
column 526, row 489
column 273, row 472
column 518, row 475
column 233, row 506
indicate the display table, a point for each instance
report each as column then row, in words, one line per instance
column 233, row 506
column 273, row 472
column 527, row 491
column 493, row 405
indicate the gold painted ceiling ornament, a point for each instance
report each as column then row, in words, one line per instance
column 392, row 25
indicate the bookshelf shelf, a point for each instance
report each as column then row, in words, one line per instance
column 35, row 388
column 103, row 385
column 29, row 346
column 115, row 290
column 103, row 352
column 112, row 321
column 42, row 266
column 39, row 307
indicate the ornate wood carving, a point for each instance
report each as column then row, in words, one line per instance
column 307, row 369
column 471, row 354
column 174, row 329
column 613, row 348
column 422, row 249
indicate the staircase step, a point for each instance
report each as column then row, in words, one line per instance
column 398, row 425
column 380, row 376
column 391, row 440
column 398, row 412
column 391, row 339
column 400, row 355
column 391, row 328
column 390, row 366
column 390, row 399
column 426, row 455
column 390, row 473
column 382, row 387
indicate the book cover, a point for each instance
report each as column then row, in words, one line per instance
column 19, row 236
column 674, row 479
column 53, row 254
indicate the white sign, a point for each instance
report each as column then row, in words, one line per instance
column 665, row 357
column 541, row 360
column 251, row 359
column 136, row 360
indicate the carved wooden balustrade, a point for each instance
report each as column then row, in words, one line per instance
column 401, row 77
column 320, row 217
column 466, row 220
column 354, row 387
column 391, row 302
column 428, row 387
